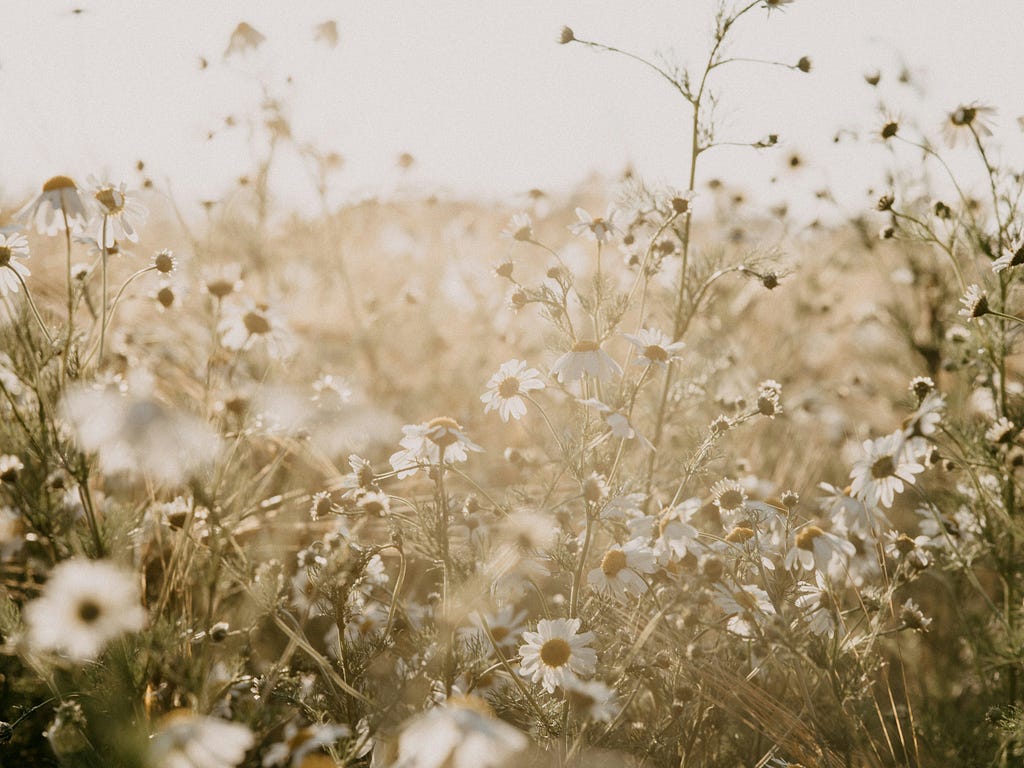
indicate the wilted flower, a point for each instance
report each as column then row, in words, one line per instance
column 556, row 652
column 84, row 605
column 585, row 357
column 60, row 197
column 506, row 388
column 187, row 740
column 13, row 250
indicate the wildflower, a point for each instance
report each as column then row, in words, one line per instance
column 890, row 129
column 921, row 386
column 804, row 65
column 729, row 496
column 900, row 546
column 926, row 418
column 886, row 466
column 885, row 202
column 120, row 213
column 187, row 740
column 1012, row 257
column 769, row 393
column 600, row 229
column 505, row 626
column 520, row 228
column 850, row 513
column 585, row 357
column 746, row 605
column 165, row 261
column 423, row 444
column 620, row 569
column 10, row 466
column 595, row 488
column 654, row 347
column 244, row 38
column 137, row 434
column 566, row 36
column 619, row 423
column 818, row 606
column 1000, row 432
column 462, row 733
column 676, row 537
column 966, row 121
column 556, row 652
column 300, row 742
column 506, row 388
column 222, row 281
column 61, row 196
column 249, row 323
column 84, row 605
column 974, row 301
column 13, row 249
column 816, row 549
column 592, row 699
column 912, row 617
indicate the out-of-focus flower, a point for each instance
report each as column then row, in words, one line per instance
column 746, row 605
column 138, row 434
column 966, row 121
column 422, row 444
column 119, row 212
column 654, row 347
column 247, row 324
column 245, row 38
column 520, row 228
column 13, row 250
column 556, row 652
column 598, row 228
column 60, row 198
column 585, row 357
column 506, row 388
column 461, row 734
column 505, row 626
column 187, row 740
column 816, row 549
column 1012, row 256
column 299, row 742
column 84, row 605
column 592, row 699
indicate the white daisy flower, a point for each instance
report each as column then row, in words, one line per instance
column 974, row 302
column 506, row 625
column 247, row 324
column 675, row 535
column 852, row 514
column 598, row 228
column 60, row 198
column 585, row 358
column 1012, row 257
column 746, row 605
column 84, row 605
column 187, row 740
column 817, row 606
column 119, row 210
column 900, row 546
column 620, row 569
column 520, row 228
column 886, row 466
column 506, row 388
column 556, row 652
column 731, row 499
column 1001, row 431
column 816, row 549
column 13, row 250
column 654, row 347
column 464, row 733
column 592, row 700
column 422, row 444
column 619, row 423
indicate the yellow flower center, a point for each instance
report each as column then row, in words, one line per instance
column 730, row 499
column 656, row 353
column 442, row 430
column 614, row 560
column 586, row 345
column 509, row 387
column 111, row 200
column 58, row 182
column 884, row 466
column 805, row 538
column 555, row 652
column 255, row 323
column 739, row 534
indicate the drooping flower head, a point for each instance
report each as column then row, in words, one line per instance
column 60, row 198
column 13, row 251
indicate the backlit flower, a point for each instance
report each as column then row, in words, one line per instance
column 13, row 250
column 585, row 358
column 423, row 444
column 248, row 324
column 654, row 347
column 119, row 212
column 506, row 388
column 84, row 605
column 621, row 568
column 60, row 197
column 886, row 466
column 556, row 652
column 187, row 740
column 815, row 549
column 598, row 228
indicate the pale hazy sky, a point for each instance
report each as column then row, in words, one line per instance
column 477, row 90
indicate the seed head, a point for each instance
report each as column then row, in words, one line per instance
column 804, row 65
column 566, row 36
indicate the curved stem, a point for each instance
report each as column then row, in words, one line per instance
column 32, row 304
